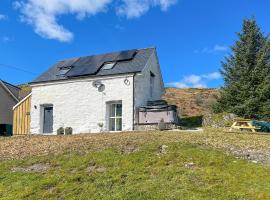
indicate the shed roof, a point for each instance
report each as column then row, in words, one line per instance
column 11, row 89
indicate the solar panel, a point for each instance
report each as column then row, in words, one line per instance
column 86, row 66
column 90, row 65
column 126, row 55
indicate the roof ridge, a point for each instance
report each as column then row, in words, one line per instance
column 105, row 53
column 9, row 84
column 4, row 84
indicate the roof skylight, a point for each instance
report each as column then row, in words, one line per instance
column 108, row 65
column 63, row 70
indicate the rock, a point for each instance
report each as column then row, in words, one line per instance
column 163, row 149
column 190, row 165
column 129, row 148
column 219, row 120
column 101, row 169
column 94, row 168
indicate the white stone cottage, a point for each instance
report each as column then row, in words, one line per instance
column 95, row 93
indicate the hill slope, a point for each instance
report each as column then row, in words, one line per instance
column 142, row 165
column 192, row 101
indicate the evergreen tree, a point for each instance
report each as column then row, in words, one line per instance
column 246, row 75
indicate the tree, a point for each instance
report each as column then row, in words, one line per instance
column 246, row 72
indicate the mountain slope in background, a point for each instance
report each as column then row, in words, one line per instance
column 192, row 101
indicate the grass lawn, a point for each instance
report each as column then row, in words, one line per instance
column 139, row 171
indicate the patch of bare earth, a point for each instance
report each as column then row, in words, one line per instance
column 40, row 167
column 253, row 147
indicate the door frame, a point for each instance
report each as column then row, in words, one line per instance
column 42, row 110
column 109, row 105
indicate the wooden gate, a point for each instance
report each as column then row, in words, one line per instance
column 21, row 117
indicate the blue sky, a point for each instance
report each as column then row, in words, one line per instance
column 191, row 36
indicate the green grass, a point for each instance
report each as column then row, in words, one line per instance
column 140, row 175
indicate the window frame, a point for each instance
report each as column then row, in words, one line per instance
column 63, row 68
column 112, row 64
column 152, row 83
column 115, row 116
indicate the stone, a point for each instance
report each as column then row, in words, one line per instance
column 190, row 165
column 163, row 149
column 94, row 168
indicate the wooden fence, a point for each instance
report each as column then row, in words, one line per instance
column 21, row 117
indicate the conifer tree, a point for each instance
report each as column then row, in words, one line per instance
column 246, row 72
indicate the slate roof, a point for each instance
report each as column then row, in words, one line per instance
column 91, row 65
column 14, row 90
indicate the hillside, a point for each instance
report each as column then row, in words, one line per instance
column 136, row 165
column 25, row 90
column 192, row 101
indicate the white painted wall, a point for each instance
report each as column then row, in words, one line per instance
column 142, row 83
column 79, row 105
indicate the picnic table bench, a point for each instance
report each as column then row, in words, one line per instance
column 244, row 125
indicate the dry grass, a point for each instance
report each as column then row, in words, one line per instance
column 192, row 101
column 250, row 146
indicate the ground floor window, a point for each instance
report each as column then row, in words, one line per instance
column 115, row 117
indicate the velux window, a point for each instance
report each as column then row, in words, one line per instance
column 63, row 70
column 108, row 65
column 115, row 117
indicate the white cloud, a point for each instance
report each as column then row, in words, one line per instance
column 3, row 17
column 215, row 49
column 195, row 81
column 136, row 8
column 212, row 76
column 43, row 15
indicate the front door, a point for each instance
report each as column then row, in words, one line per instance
column 48, row 120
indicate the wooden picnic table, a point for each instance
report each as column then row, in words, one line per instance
column 244, row 125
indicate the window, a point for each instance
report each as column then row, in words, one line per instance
column 115, row 117
column 63, row 70
column 108, row 65
column 152, row 83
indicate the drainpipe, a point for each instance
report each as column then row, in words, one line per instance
column 133, row 101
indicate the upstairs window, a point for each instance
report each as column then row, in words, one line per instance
column 108, row 65
column 63, row 70
column 152, row 83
